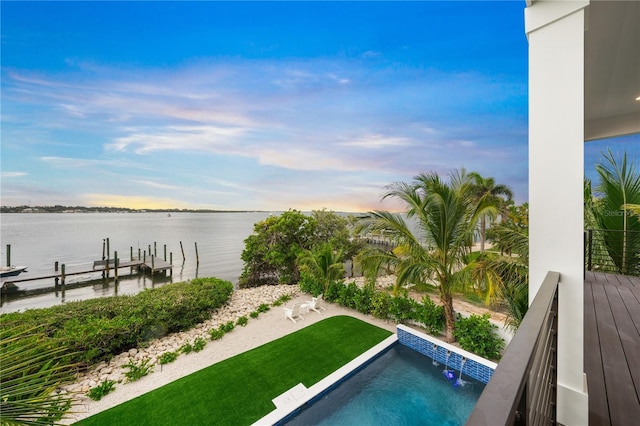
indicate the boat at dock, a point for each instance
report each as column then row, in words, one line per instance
column 11, row 271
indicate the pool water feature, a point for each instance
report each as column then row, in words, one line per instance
column 401, row 386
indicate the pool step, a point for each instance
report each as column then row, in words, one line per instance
column 291, row 397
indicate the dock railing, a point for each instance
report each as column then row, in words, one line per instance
column 522, row 390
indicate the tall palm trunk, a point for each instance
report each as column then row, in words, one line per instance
column 483, row 231
column 449, row 315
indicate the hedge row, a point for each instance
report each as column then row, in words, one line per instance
column 475, row 334
column 380, row 304
column 98, row 329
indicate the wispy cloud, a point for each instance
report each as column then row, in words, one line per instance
column 92, row 163
column 8, row 175
column 378, row 142
column 265, row 131
column 158, row 185
column 183, row 138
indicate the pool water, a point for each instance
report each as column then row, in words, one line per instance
column 401, row 387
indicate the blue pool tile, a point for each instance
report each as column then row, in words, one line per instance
column 440, row 354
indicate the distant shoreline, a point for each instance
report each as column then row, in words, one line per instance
column 81, row 209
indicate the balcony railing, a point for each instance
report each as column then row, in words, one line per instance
column 616, row 252
column 522, row 391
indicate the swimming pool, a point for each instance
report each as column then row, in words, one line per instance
column 400, row 387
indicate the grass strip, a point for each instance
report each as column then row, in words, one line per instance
column 239, row 390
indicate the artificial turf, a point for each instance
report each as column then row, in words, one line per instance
column 239, row 390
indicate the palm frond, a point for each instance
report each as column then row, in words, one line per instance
column 33, row 366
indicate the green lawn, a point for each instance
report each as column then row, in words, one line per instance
column 239, row 390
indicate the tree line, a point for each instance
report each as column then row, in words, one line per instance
column 432, row 240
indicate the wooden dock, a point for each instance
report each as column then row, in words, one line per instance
column 151, row 265
column 147, row 262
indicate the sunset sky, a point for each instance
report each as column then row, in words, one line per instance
column 260, row 106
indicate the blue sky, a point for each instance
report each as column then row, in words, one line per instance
column 261, row 106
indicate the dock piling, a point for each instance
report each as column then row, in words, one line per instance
column 106, row 265
column 197, row 257
column 115, row 265
column 182, row 249
column 62, row 285
column 108, row 257
column 8, row 255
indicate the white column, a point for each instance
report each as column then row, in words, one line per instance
column 556, row 155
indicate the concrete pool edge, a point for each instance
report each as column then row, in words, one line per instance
column 298, row 396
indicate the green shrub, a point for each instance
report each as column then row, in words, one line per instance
column 186, row 348
column 138, row 370
column 284, row 298
column 242, row 321
column 347, row 295
column 401, row 308
column 281, row 300
column 362, row 300
column 100, row 328
column 216, row 333
column 380, row 305
column 310, row 284
column 167, row 357
column 227, row 327
column 430, row 315
column 333, row 292
column 254, row 314
column 476, row 334
column 263, row 308
column 198, row 344
column 104, row 388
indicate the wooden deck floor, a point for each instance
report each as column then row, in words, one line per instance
column 612, row 348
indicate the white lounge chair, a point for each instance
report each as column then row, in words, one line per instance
column 293, row 312
column 314, row 304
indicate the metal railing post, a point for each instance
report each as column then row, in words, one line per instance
column 522, row 390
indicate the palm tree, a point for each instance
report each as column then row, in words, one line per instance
column 33, row 367
column 506, row 277
column 620, row 188
column 324, row 263
column 435, row 245
column 499, row 195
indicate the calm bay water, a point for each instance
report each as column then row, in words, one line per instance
column 38, row 240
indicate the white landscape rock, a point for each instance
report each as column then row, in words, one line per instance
column 241, row 303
